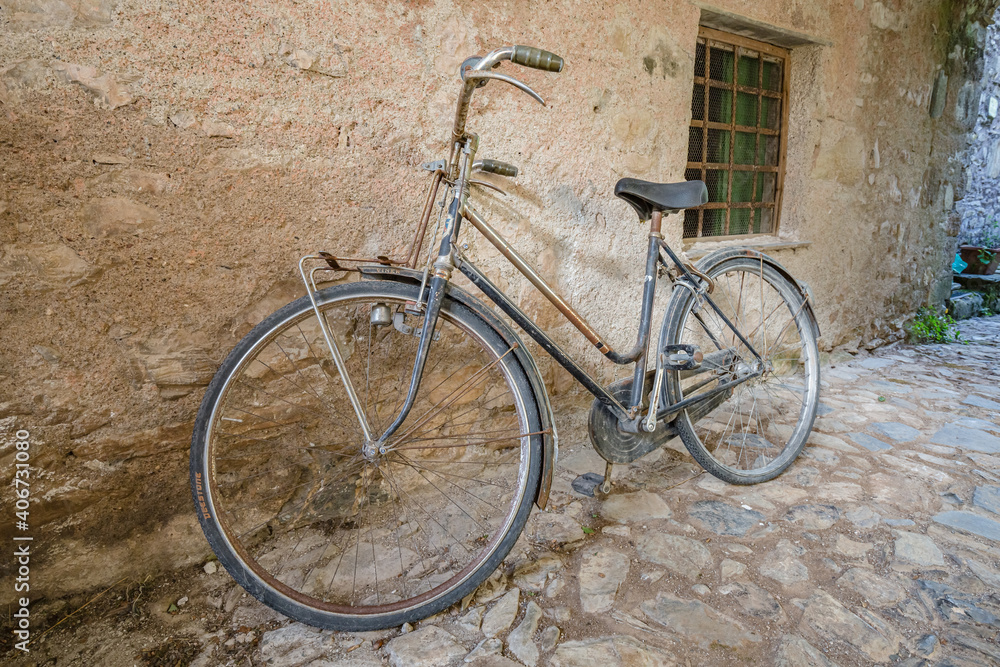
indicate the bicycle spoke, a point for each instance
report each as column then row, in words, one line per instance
column 454, row 424
column 445, row 530
column 261, row 474
column 406, row 371
column 737, row 417
column 371, row 536
column 287, row 558
column 750, row 336
column 299, row 373
column 746, row 429
column 368, row 376
column 395, row 488
column 781, row 334
column 470, row 463
column 449, row 498
column 358, row 530
column 389, row 339
column 285, row 400
column 294, row 405
column 313, row 448
column 275, row 495
column 474, row 440
column 480, row 442
column 312, row 352
column 442, row 476
column 750, row 431
column 476, row 379
column 399, row 548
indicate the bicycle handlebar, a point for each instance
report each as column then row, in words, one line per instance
column 496, row 167
column 475, row 75
column 529, row 56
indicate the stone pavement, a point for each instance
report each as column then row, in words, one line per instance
column 880, row 545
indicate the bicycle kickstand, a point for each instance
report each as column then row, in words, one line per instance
column 606, row 484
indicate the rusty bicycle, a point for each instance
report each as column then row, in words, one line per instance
column 368, row 454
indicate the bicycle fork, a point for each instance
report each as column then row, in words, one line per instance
column 443, row 266
column 434, row 300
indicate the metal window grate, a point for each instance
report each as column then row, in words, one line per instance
column 736, row 142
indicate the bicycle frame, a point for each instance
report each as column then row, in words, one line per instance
column 450, row 257
column 638, row 355
column 455, row 172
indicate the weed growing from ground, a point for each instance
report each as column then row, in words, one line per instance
column 930, row 327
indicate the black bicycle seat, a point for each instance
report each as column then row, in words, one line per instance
column 646, row 196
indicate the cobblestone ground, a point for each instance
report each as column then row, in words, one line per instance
column 878, row 546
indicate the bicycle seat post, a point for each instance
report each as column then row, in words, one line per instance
column 655, row 221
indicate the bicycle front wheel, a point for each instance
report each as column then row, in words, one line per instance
column 315, row 526
column 752, row 432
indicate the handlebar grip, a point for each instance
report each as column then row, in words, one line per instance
column 529, row 56
column 497, row 167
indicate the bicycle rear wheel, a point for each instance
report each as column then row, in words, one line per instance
column 314, row 528
column 752, row 432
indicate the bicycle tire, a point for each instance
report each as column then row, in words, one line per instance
column 428, row 521
column 755, row 430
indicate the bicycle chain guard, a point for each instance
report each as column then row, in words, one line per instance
column 611, row 442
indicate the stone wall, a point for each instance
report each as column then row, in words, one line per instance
column 163, row 165
column 980, row 203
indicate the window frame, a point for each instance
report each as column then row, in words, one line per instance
column 736, row 42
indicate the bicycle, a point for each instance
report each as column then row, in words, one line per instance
column 368, row 454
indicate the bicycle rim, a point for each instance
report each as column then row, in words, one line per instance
column 752, row 432
column 333, row 537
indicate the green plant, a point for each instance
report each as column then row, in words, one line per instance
column 991, row 301
column 930, row 327
column 991, row 236
column 987, row 239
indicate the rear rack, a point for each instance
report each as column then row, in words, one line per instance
column 333, row 263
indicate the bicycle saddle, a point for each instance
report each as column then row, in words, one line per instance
column 646, row 197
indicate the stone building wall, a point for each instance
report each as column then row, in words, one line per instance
column 980, row 203
column 164, row 164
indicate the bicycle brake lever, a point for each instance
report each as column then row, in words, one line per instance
column 488, row 185
column 483, row 76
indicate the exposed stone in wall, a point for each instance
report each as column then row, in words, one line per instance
column 980, row 205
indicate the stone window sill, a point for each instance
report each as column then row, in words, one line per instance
column 698, row 249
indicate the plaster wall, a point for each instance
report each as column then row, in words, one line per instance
column 163, row 165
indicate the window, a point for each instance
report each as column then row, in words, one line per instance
column 736, row 142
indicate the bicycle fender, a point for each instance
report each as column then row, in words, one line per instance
column 716, row 256
column 550, row 441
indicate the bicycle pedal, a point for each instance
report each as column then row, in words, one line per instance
column 680, row 357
